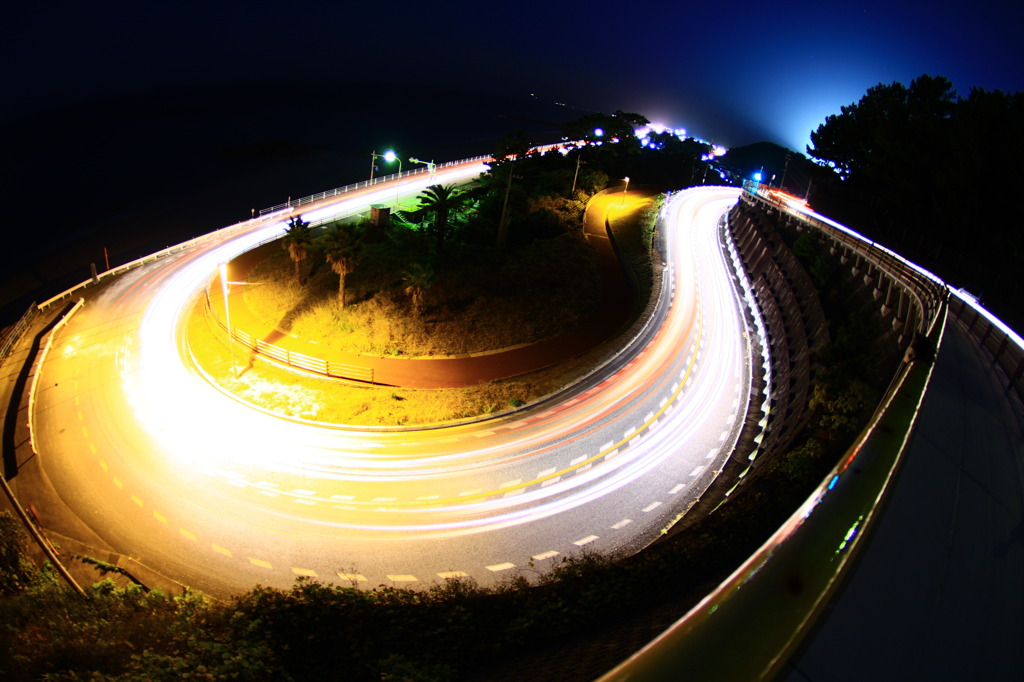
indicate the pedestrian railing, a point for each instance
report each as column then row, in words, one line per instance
column 320, row 196
column 290, row 358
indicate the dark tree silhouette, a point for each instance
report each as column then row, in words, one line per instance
column 442, row 201
column 298, row 238
column 342, row 246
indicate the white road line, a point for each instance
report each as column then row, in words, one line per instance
column 651, row 507
column 544, row 555
column 452, row 574
column 585, row 541
column 500, row 567
column 546, row 472
column 402, row 578
column 698, row 470
column 353, row 577
column 622, row 524
column 676, row 488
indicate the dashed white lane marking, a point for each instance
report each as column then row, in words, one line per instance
column 544, row 555
column 661, row 404
column 136, row 499
column 103, row 465
column 511, row 484
column 482, row 434
column 268, row 493
column 452, row 574
column 384, row 499
column 651, row 507
column 237, row 483
column 577, row 460
column 711, row 453
column 118, row 483
column 500, row 567
column 584, row 467
column 260, row 562
column 221, row 550
column 622, row 524
column 92, row 448
column 676, row 489
column 402, row 578
column 190, row 536
column 675, row 386
column 304, row 572
column 343, row 497
column 306, row 502
column 725, row 434
column 547, row 472
column 698, row 471
column 585, row 541
column 513, row 493
column 471, row 492
column 301, row 491
column 550, row 481
column 353, row 577
column 607, row 446
column 159, row 517
column 629, row 432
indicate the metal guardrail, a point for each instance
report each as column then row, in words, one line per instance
column 17, row 330
column 1005, row 345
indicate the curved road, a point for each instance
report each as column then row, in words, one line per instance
column 193, row 484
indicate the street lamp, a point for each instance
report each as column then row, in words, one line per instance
column 227, row 315
column 623, row 202
column 429, row 164
column 388, row 156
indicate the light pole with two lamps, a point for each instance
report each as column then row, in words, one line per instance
column 429, row 164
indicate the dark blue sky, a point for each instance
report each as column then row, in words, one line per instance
column 731, row 72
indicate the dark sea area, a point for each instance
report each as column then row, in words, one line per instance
column 136, row 173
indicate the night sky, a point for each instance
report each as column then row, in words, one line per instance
column 733, row 73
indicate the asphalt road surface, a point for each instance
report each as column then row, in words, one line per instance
column 202, row 488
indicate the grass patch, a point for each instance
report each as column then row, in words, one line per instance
column 307, row 396
column 479, row 302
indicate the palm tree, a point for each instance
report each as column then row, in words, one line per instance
column 342, row 246
column 418, row 277
column 442, row 201
column 297, row 239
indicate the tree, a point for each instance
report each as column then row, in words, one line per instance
column 512, row 147
column 342, row 246
column 442, row 201
column 298, row 238
column 892, row 130
column 418, row 278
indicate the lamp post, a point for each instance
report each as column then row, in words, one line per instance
column 227, row 315
column 388, row 156
column 429, row 164
column 626, row 187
